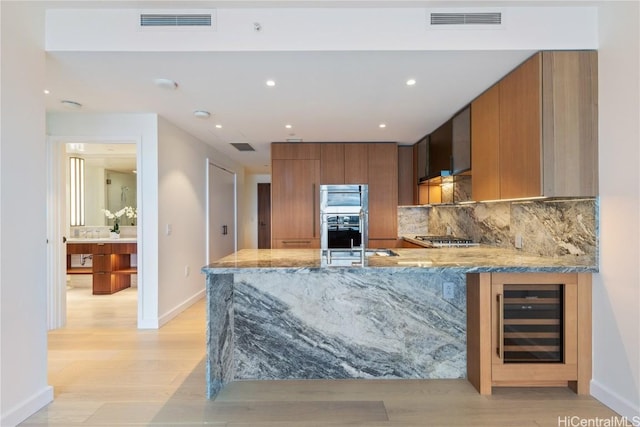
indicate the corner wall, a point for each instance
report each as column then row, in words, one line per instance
column 182, row 184
column 616, row 289
column 23, row 291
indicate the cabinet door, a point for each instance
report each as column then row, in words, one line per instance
column 295, row 151
column 461, row 141
column 295, row 199
column 383, row 191
column 485, row 137
column 422, row 164
column 440, row 155
column 406, row 184
column 332, row 163
column 520, row 131
column 356, row 163
column 570, row 123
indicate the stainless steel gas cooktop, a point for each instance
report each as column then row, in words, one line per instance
column 447, row 241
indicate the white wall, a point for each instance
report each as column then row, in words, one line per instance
column 23, row 307
column 250, row 220
column 182, row 169
column 616, row 291
column 142, row 128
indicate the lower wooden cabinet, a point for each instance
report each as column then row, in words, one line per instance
column 111, row 268
column 295, row 243
column 529, row 329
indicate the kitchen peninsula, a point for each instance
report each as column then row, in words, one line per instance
column 279, row 314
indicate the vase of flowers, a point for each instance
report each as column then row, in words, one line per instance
column 128, row 211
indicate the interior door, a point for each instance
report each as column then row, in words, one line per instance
column 264, row 216
column 222, row 212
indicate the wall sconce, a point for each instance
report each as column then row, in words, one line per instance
column 76, row 175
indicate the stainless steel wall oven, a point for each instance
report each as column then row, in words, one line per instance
column 344, row 216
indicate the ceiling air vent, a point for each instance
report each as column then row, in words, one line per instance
column 486, row 18
column 176, row 20
column 243, row 146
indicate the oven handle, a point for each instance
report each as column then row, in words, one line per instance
column 500, row 348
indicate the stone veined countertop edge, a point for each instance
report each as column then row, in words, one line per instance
column 467, row 260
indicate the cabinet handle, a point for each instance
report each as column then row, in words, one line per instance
column 313, row 201
column 500, row 348
column 286, row 242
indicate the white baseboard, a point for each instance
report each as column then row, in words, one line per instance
column 618, row 403
column 26, row 408
column 181, row 307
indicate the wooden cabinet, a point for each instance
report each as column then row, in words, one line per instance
column 295, row 184
column 110, row 265
column 406, row 181
column 485, row 131
column 383, row 193
column 332, row 163
column 344, row 163
column 529, row 329
column 535, row 132
column 295, row 202
column 440, row 154
column 295, row 151
column 356, row 163
column 520, row 130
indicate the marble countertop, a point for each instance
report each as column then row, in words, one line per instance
column 470, row 260
column 102, row 240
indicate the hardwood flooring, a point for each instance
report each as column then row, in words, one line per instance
column 105, row 372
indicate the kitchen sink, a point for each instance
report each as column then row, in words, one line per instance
column 351, row 257
column 380, row 252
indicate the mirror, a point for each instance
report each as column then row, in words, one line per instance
column 109, row 179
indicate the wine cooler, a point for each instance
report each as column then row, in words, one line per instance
column 531, row 324
column 529, row 330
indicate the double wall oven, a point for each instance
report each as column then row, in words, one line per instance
column 343, row 216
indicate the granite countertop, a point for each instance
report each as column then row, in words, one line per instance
column 102, row 240
column 471, row 260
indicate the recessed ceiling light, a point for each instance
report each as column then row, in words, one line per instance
column 270, row 83
column 165, row 84
column 47, row 91
column 71, row 104
column 288, row 126
column 201, row 114
column 382, row 125
column 411, row 82
column 219, row 126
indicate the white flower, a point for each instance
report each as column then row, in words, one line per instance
column 129, row 211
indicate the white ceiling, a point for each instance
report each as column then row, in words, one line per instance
column 325, row 96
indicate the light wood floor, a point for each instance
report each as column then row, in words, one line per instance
column 107, row 373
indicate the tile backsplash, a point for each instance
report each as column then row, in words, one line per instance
column 548, row 227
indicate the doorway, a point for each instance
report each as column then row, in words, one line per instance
column 264, row 216
column 105, row 164
column 221, row 212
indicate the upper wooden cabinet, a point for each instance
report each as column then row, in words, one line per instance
column 406, row 175
column 295, row 151
column 332, row 163
column 535, row 132
column 485, row 148
column 344, row 163
column 356, row 163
